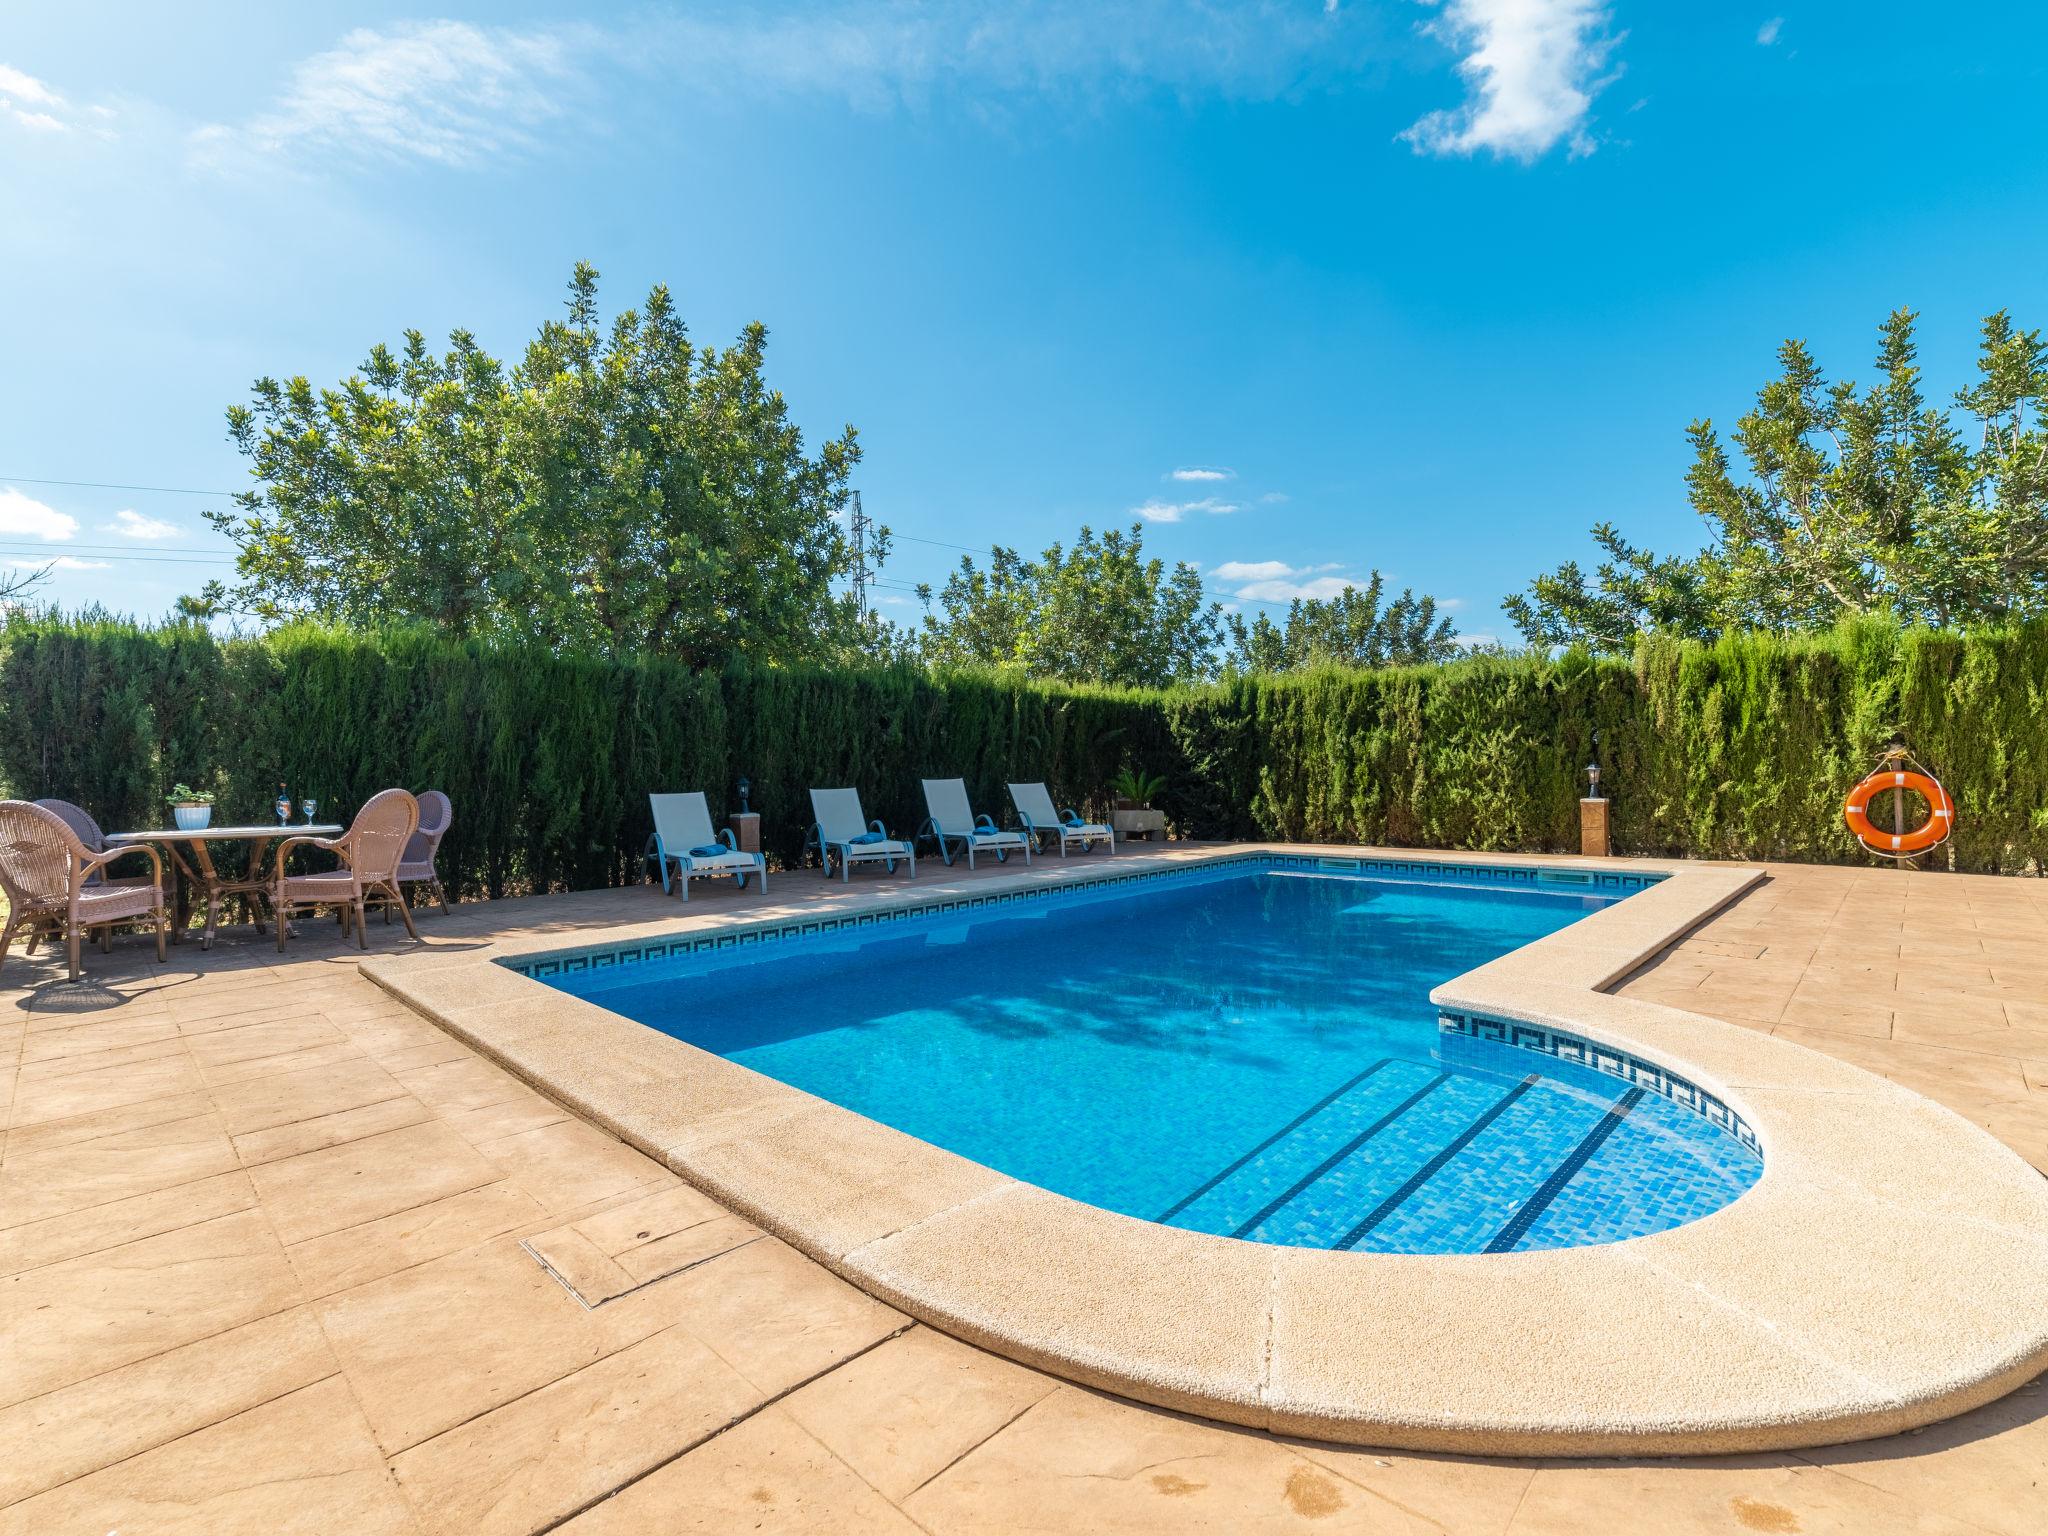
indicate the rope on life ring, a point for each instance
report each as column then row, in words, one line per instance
column 1891, row 773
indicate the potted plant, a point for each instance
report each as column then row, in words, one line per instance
column 191, row 809
column 1133, row 790
column 1131, row 814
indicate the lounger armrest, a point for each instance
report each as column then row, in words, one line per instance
column 727, row 837
column 986, row 820
column 876, row 826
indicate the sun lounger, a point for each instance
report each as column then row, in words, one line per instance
column 952, row 821
column 1034, row 809
column 685, row 846
column 840, row 830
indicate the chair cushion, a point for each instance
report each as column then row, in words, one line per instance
column 108, row 903
column 331, row 885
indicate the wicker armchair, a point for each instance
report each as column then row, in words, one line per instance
column 370, row 851
column 80, row 821
column 417, row 865
column 46, row 872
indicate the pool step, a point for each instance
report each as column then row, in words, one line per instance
column 1358, row 1167
column 1291, row 1155
column 1533, row 1208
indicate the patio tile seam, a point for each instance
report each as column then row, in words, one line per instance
column 101, row 1205
column 172, row 1349
column 723, row 1429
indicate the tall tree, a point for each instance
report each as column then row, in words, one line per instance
column 1633, row 590
column 1098, row 612
column 618, row 488
column 1851, row 501
column 1351, row 629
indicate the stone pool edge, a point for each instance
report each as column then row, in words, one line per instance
column 1890, row 1267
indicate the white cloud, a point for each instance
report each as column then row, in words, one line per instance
column 28, row 102
column 1767, row 34
column 1531, row 67
column 24, row 517
column 1177, row 511
column 457, row 94
column 58, row 562
column 134, row 525
column 440, row 91
column 1253, row 570
column 1273, row 498
column 1275, row 581
column 1198, row 473
column 1287, row 591
column 17, row 86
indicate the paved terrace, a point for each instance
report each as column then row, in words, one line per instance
column 260, row 1234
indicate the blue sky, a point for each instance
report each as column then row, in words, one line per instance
column 1423, row 287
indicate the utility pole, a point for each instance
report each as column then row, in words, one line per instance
column 861, row 530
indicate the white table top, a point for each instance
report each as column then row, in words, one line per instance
column 225, row 834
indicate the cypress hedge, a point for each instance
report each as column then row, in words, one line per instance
column 1738, row 749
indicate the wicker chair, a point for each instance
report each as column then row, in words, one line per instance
column 370, row 851
column 88, row 832
column 417, row 866
column 46, row 872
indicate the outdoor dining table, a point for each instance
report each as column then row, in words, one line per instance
column 195, row 863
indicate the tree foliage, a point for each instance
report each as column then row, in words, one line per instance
column 1850, row 501
column 1099, row 612
column 618, row 488
column 1352, row 629
column 1633, row 591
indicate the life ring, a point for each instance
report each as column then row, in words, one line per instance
column 1935, row 830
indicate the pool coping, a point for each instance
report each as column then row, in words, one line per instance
column 1889, row 1268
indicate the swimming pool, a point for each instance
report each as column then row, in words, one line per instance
column 1247, row 1051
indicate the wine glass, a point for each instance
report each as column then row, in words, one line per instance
column 309, row 806
column 283, row 806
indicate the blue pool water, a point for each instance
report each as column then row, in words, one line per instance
column 1251, row 1053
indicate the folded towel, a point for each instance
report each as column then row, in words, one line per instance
column 1073, row 820
column 869, row 837
column 709, row 851
column 989, row 832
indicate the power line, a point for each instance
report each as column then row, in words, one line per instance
column 149, row 549
column 103, row 485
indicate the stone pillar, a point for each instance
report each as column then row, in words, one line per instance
column 1593, row 840
column 746, row 830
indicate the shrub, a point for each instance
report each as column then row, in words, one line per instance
column 1738, row 749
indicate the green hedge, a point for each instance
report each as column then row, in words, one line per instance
column 1743, row 748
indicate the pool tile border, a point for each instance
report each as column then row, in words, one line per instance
column 545, row 964
column 1651, row 1076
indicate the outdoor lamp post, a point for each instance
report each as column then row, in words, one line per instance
column 1593, row 836
column 746, row 824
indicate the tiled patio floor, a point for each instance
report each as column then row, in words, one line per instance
column 260, row 1233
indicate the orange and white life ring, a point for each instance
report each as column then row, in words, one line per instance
column 1935, row 830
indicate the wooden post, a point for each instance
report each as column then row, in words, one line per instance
column 1593, row 838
